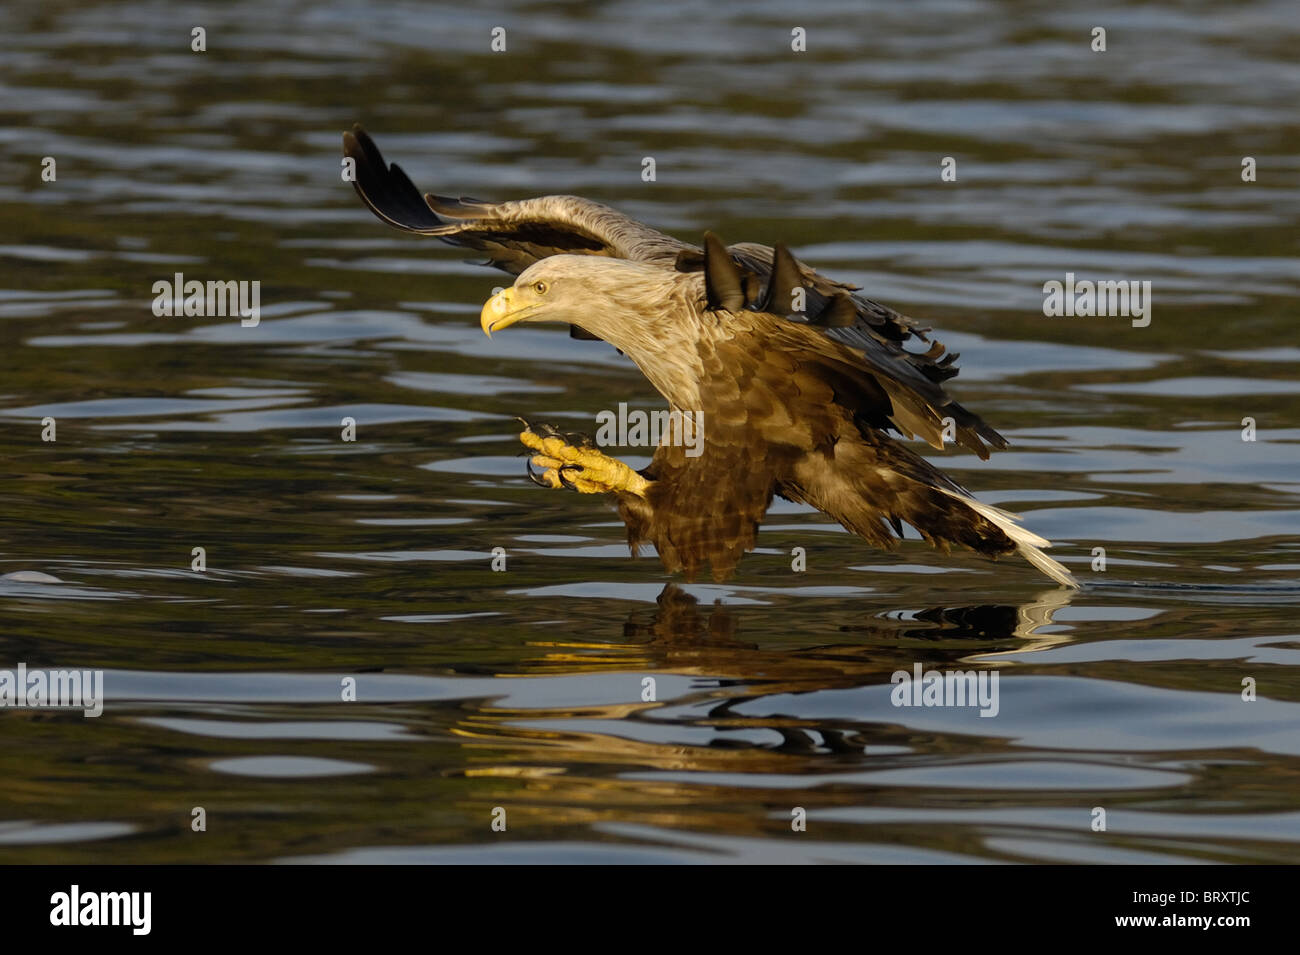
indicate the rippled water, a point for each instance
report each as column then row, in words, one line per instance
column 523, row 689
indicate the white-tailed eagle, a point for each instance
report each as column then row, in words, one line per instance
column 797, row 380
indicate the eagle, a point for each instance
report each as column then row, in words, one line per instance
column 801, row 387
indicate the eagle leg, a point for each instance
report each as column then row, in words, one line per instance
column 577, row 467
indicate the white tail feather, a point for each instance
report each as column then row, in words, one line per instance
column 1027, row 542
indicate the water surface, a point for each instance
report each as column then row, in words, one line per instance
column 524, row 689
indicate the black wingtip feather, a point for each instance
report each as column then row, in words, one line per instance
column 786, row 277
column 385, row 189
column 722, row 279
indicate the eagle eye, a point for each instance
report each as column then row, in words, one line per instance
column 539, row 288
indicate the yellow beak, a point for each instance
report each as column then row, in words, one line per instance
column 499, row 312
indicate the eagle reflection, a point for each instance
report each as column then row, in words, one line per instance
column 684, row 637
column 680, row 621
column 732, row 719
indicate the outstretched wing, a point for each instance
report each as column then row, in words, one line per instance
column 513, row 234
column 516, row 234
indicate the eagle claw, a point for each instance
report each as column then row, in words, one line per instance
column 571, row 461
column 534, row 476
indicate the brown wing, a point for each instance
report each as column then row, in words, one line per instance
column 754, row 278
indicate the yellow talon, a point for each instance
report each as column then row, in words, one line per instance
column 583, row 469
